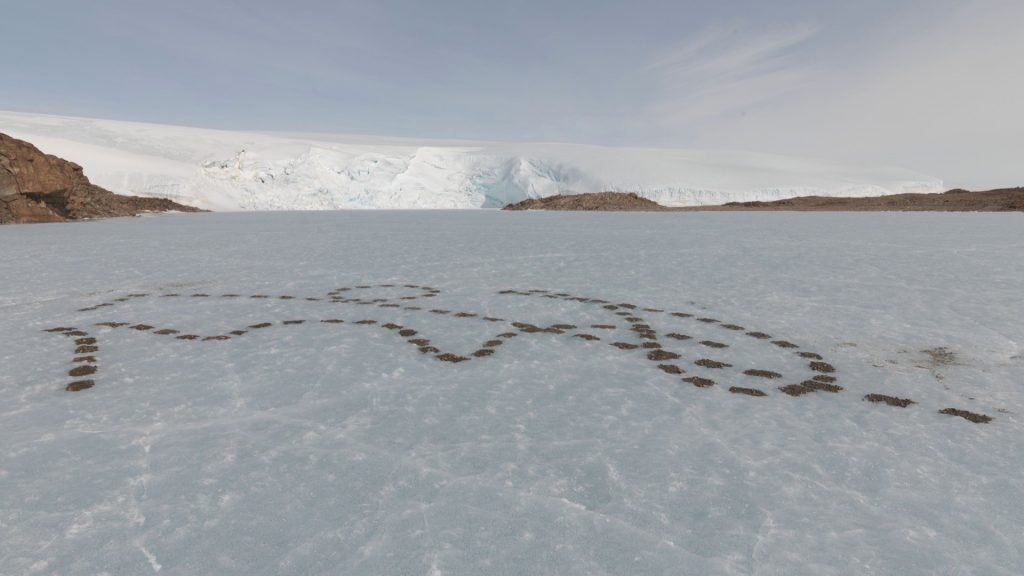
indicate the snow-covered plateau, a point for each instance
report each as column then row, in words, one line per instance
column 494, row 393
column 225, row 170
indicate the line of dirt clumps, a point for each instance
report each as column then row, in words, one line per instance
column 37, row 187
column 1002, row 200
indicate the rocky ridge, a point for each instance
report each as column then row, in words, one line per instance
column 1002, row 200
column 37, row 187
column 596, row 201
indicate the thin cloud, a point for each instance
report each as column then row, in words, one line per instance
column 719, row 71
column 717, row 52
column 942, row 98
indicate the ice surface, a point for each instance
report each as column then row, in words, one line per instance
column 340, row 449
column 223, row 170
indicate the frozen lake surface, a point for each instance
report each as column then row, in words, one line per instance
column 562, row 444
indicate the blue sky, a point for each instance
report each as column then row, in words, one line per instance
column 931, row 85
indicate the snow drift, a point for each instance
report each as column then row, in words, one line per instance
column 226, row 170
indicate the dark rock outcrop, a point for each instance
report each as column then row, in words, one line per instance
column 958, row 200
column 600, row 201
column 1002, row 200
column 37, row 187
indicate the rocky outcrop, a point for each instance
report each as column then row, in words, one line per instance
column 595, row 201
column 8, row 180
column 1001, row 200
column 37, row 187
column 20, row 209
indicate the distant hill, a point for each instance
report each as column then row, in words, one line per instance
column 596, row 201
column 1003, row 200
column 37, row 187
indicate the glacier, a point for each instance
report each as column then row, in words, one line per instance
column 247, row 171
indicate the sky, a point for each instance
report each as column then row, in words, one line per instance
column 931, row 85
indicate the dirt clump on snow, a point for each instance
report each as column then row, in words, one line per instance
column 971, row 416
column 809, row 386
column 822, row 367
column 746, row 391
column 670, row 368
column 80, row 385
column 662, row 355
column 82, row 371
column 890, row 400
column 700, row 382
column 762, row 373
column 795, row 390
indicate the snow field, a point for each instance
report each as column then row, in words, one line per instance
column 341, row 448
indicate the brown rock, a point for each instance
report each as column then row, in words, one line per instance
column 599, row 201
column 19, row 209
column 37, row 187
